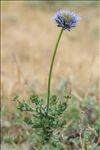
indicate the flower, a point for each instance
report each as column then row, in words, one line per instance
column 66, row 19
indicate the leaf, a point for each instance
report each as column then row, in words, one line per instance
column 23, row 106
column 35, row 99
column 15, row 98
column 53, row 99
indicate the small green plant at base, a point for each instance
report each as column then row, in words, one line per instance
column 45, row 125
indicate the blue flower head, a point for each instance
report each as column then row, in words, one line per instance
column 66, row 19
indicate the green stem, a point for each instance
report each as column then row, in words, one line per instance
column 51, row 68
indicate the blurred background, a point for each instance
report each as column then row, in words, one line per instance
column 28, row 37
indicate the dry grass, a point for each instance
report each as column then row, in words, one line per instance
column 28, row 39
